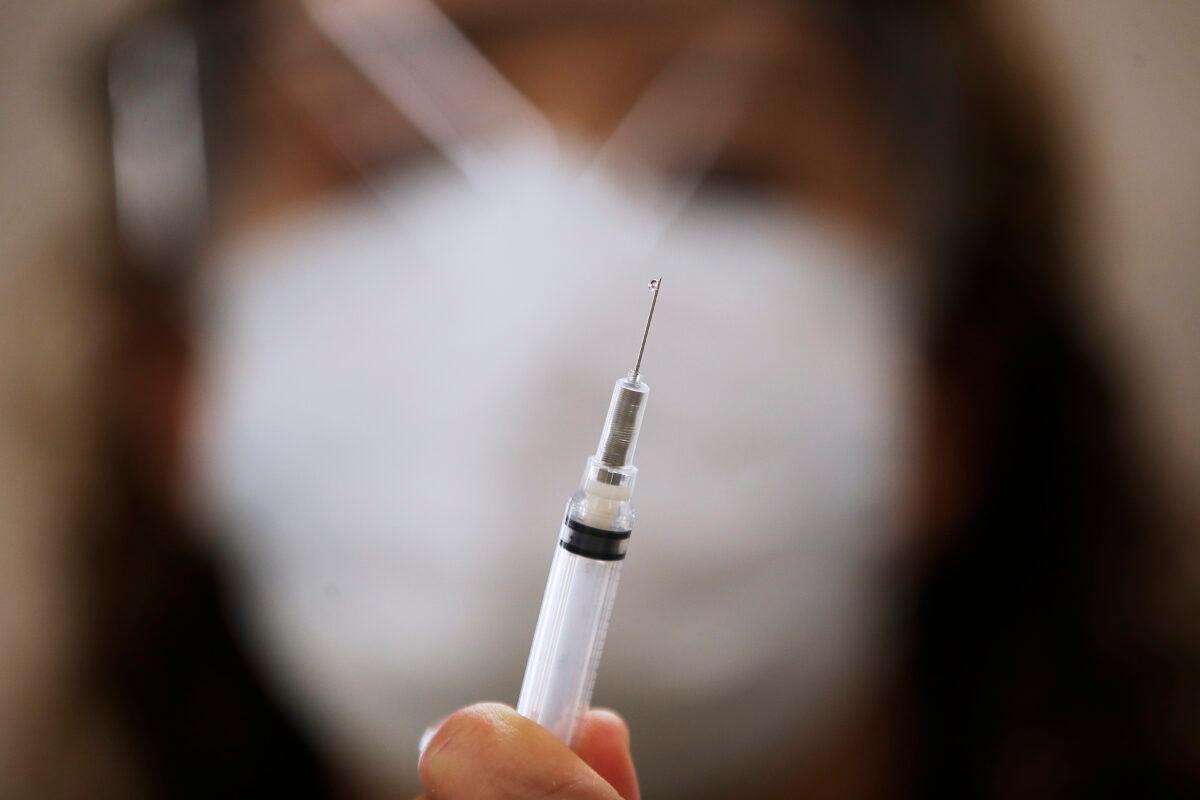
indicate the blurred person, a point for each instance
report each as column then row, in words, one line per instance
column 899, row 167
column 489, row 273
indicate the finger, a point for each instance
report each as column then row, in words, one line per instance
column 603, row 742
column 489, row 752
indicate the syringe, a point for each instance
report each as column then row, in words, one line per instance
column 586, row 567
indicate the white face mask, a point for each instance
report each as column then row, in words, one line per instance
column 397, row 400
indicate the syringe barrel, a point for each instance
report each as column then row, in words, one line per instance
column 584, row 573
column 576, row 609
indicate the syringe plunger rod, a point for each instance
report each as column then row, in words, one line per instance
column 619, row 437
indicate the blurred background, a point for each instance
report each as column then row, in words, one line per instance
column 309, row 313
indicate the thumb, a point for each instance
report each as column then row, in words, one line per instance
column 603, row 743
column 489, row 752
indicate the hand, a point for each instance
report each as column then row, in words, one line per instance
column 490, row 752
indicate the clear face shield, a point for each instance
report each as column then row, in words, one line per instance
column 395, row 383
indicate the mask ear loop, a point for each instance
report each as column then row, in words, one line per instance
column 417, row 59
column 677, row 128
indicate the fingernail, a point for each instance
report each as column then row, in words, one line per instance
column 426, row 736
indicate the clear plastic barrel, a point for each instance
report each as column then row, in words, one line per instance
column 578, row 603
column 567, row 643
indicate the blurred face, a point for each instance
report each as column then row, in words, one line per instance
column 400, row 378
column 808, row 124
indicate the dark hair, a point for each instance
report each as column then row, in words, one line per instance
column 1041, row 661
